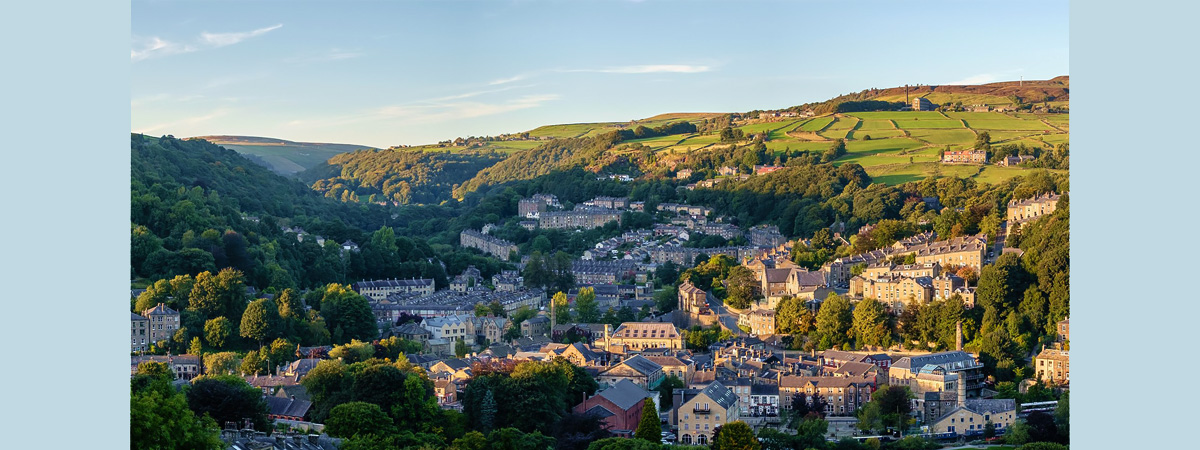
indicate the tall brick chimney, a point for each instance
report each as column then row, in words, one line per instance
column 958, row 336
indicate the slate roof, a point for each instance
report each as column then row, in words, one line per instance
column 855, row 368
column 625, row 394
column 720, row 394
column 806, row 278
column 302, row 366
column 635, row 366
column 764, row 389
column 133, row 317
column 991, row 406
column 599, row 411
column 160, row 310
column 945, row 359
column 290, row 407
column 297, row 390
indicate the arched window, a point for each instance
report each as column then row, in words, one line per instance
column 702, row 440
column 686, row 439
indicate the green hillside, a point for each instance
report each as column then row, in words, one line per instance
column 282, row 156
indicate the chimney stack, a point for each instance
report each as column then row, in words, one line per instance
column 962, row 389
column 958, row 336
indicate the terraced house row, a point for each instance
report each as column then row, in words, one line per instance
column 491, row 245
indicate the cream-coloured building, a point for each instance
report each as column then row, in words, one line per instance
column 1020, row 211
column 1053, row 366
column 760, row 321
column 698, row 412
column 895, row 291
column 972, row 417
column 645, row 335
column 959, row 251
column 843, row 394
column 379, row 289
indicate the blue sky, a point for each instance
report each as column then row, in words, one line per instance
column 388, row 73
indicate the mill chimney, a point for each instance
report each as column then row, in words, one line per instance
column 962, row 389
column 958, row 336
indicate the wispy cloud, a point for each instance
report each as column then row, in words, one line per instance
column 168, row 126
column 154, row 46
column 223, row 39
column 651, row 68
column 508, row 80
column 432, row 111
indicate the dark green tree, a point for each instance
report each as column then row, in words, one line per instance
column 358, row 418
column 648, row 427
column 261, row 320
column 217, row 331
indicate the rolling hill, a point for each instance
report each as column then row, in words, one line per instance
column 282, row 156
column 893, row 147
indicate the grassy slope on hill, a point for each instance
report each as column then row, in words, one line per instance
column 282, row 156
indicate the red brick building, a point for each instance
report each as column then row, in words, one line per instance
column 619, row 406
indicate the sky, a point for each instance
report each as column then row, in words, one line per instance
column 411, row 72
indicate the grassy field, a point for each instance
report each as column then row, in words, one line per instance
column 769, row 126
column 816, row 123
column 1007, row 124
column 874, row 134
column 281, row 156
column 659, row 142
column 889, row 156
column 976, row 115
column 782, row 145
column 942, row 137
column 902, row 115
column 569, row 130
column 914, row 124
column 876, row 124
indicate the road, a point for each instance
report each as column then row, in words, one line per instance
column 727, row 319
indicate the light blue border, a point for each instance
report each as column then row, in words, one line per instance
column 66, row 208
column 1133, row 201
column 65, row 223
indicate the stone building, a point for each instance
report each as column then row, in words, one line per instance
column 923, row 104
column 1021, row 211
column 645, row 335
column 693, row 299
column 895, row 291
column 620, row 407
column 1053, row 366
column 533, row 206
column 965, row 157
column 139, row 333
column 843, row 395
column 491, row 245
column 163, row 322
column 905, row 371
column 582, row 217
column 697, row 412
column 380, row 289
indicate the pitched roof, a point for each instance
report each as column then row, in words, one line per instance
column 599, row 411
column 636, row 365
column 646, row 330
column 291, row 407
column 950, row 360
column 720, row 394
column 991, row 406
column 625, row 394
column 160, row 310
column 134, row 317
